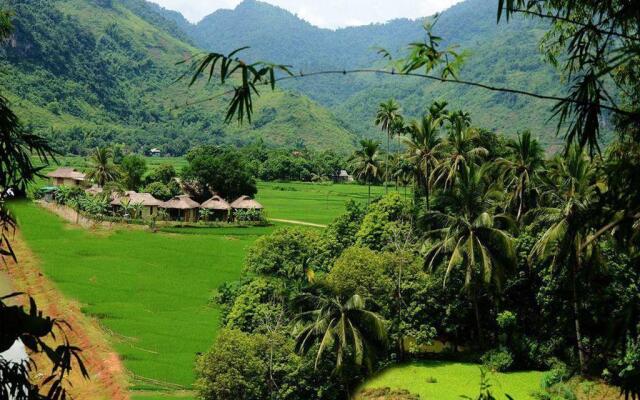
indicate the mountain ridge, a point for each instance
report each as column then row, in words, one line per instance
column 500, row 54
column 96, row 72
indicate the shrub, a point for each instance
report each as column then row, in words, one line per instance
column 388, row 394
column 383, row 223
column 557, row 374
column 249, row 216
column 159, row 190
column 361, row 271
column 558, row 391
column 286, row 253
column 506, row 320
column 498, row 360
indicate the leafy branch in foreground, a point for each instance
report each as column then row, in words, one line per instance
column 230, row 67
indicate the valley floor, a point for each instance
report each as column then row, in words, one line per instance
column 150, row 294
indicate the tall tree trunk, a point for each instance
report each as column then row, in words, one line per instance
column 386, row 168
column 426, row 185
column 575, row 267
column 476, row 311
column 399, row 314
column 369, row 195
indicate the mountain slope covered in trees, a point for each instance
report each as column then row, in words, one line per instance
column 501, row 55
column 94, row 72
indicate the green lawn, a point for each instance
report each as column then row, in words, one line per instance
column 151, row 290
column 453, row 380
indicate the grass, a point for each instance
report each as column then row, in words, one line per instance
column 451, row 380
column 152, row 291
column 309, row 202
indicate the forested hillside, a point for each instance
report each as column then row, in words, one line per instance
column 502, row 55
column 93, row 72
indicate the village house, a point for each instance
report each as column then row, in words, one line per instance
column 246, row 203
column 342, row 176
column 150, row 204
column 182, row 208
column 218, row 206
column 67, row 177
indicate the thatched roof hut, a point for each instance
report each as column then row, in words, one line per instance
column 146, row 199
column 216, row 203
column 246, row 203
column 67, row 173
column 94, row 190
column 182, row 202
column 67, row 177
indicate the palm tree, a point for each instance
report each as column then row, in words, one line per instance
column 346, row 327
column 404, row 173
column 461, row 147
column 387, row 119
column 519, row 171
column 424, row 150
column 471, row 235
column 102, row 169
column 572, row 188
column 366, row 162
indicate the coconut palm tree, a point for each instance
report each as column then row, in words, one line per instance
column 461, row 149
column 345, row 327
column 387, row 119
column 366, row 162
column 404, row 173
column 519, row 170
column 424, row 150
column 102, row 169
column 572, row 188
column 471, row 235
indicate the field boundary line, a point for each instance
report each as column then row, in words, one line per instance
column 294, row 222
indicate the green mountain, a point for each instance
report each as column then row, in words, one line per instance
column 91, row 72
column 500, row 55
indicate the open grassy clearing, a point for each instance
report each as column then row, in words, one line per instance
column 453, row 380
column 151, row 291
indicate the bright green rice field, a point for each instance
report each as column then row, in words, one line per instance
column 451, row 380
column 152, row 291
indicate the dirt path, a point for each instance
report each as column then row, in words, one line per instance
column 108, row 377
column 288, row 221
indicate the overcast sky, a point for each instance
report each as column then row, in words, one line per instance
column 323, row 13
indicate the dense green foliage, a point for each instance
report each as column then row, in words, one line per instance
column 88, row 75
column 460, row 267
column 218, row 170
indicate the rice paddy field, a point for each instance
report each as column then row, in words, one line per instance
column 151, row 292
column 443, row 380
column 318, row 203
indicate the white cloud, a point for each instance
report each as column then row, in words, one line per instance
column 324, row 13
